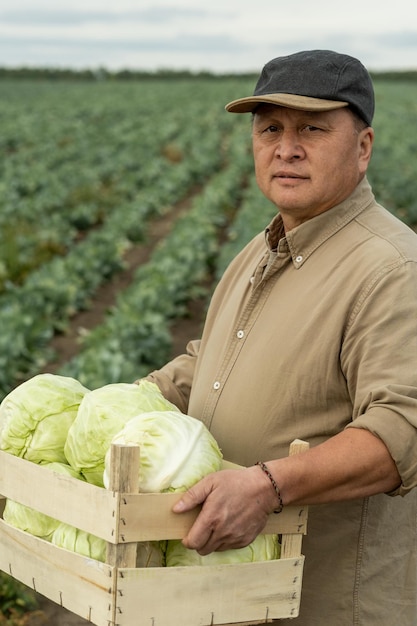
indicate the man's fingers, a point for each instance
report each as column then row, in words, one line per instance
column 200, row 533
column 199, row 539
column 191, row 498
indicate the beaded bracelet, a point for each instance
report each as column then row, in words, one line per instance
column 274, row 484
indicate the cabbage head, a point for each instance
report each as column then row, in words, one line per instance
column 30, row 520
column 176, row 450
column 101, row 415
column 263, row 548
column 35, row 417
column 79, row 541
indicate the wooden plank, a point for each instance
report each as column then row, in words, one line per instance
column 208, row 595
column 291, row 543
column 149, row 516
column 123, row 477
column 62, row 497
column 79, row 584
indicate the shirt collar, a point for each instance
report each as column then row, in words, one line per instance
column 303, row 240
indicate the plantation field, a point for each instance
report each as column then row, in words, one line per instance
column 122, row 202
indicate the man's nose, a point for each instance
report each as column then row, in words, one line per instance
column 289, row 146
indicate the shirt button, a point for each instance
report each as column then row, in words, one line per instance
column 216, row 385
column 240, row 334
column 299, row 258
column 252, row 280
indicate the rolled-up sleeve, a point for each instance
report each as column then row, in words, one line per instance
column 380, row 364
column 175, row 378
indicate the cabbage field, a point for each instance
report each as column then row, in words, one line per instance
column 143, row 188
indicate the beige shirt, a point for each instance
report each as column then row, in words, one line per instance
column 308, row 334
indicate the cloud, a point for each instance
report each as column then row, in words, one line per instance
column 181, row 51
column 178, row 43
column 65, row 17
column 401, row 39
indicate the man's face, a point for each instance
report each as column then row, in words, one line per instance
column 307, row 162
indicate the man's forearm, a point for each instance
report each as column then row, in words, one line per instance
column 352, row 464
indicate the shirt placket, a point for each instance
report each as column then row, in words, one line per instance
column 261, row 287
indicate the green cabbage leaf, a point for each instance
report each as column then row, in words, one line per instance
column 35, row 417
column 176, row 450
column 76, row 540
column 263, row 548
column 101, row 415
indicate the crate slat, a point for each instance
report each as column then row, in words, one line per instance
column 83, row 586
column 60, row 496
column 217, row 595
column 142, row 512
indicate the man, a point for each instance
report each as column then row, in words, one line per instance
column 312, row 334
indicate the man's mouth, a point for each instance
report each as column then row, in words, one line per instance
column 286, row 175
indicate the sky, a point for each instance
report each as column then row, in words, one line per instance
column 219, row 36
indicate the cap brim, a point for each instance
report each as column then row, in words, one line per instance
column 291, row 101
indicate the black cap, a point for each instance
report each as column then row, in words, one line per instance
column 313, row 80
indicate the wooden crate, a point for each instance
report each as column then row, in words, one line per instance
column 117, row 593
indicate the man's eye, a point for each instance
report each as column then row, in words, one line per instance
column 271, row 129
column 309, row 128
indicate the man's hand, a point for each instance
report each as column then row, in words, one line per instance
column 236, row 504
